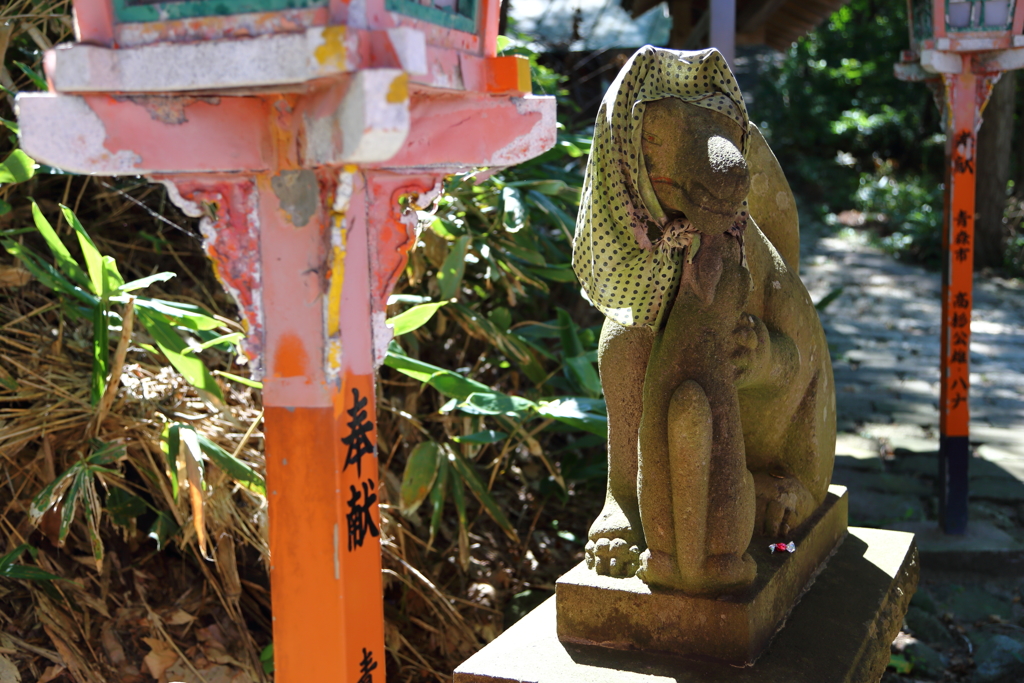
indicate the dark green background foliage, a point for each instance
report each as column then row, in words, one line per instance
column 851, row 136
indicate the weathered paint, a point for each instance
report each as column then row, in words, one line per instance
column 395, row 234
column 298, row 193
column 215, row 65
column 459, row 131
column 133, row 11
column 293, row 260
column 245, row 25
column 361, row 123
column 336, row 271
column 231, row 238
column 116, row 136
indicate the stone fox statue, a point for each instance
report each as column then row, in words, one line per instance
column 715, row 369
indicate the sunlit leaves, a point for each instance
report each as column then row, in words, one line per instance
column 17, row 167
column 98, row 285
column 414, row 318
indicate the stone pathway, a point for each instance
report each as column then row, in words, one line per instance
column 883, row 330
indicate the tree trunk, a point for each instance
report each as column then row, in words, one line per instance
column 994, row 147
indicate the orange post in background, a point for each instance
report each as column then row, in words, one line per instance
column 960, row 48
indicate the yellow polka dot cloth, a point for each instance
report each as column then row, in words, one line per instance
column 625, row 276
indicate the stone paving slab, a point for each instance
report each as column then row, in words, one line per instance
column 883, row 332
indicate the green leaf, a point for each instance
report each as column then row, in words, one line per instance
column 123, row 506
column 112, row 279
column 237, row 469
column 163, row 529
column 501, row 317
column 93, row 258
column 465, row 471
column 100, row 353
column 449, row 278
column 447, row 382
column 576, row 413
column 173, row 346
column 144, row 282
column 582, row 370
column 419, row 476
column 184, row 315
column 5, row 208
column 229, row 338
column 241, row 380
column 486, row 436
column 9, row 570
column 571, row 345
column 170, row 444
column 65, row 262
column 494, row 403
column 10, row 125
column 437, row 497
column 414, row 318
column 900, row 664
column 36, row 79
column 47, row 274
column 17, row 167
column 267, row 659
column 554, row 273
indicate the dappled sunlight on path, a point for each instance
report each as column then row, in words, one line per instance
column 883, row 331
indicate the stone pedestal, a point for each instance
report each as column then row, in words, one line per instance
column 627, row 614
column 839, row 632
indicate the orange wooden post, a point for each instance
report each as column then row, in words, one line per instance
column 965, row 47
column 966, row 93
column 317, row 126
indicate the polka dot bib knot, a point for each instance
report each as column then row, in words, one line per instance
column 622, row 273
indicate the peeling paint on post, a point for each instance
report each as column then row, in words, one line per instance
column 305, row 139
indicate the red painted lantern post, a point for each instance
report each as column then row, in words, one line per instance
column 961, row 48
column 303, row 133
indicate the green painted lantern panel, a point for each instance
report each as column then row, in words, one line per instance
column 460, row 15
column 126, row 11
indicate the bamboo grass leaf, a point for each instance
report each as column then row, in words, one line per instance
column 236, row 469
column 438, row 494
column 170, row 443
column 173, row 346
column 92, row 256
column 144, row 282
column 36, row 79
column 467, row 475
column 17, row 167
column 10, row 570
column 414, row 318
column 65, row 262
column 100, row 353
column 421, row 470
column 229, row 338
column 449, row 277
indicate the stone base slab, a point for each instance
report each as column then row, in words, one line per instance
column 840, row 632
column 627, row 614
